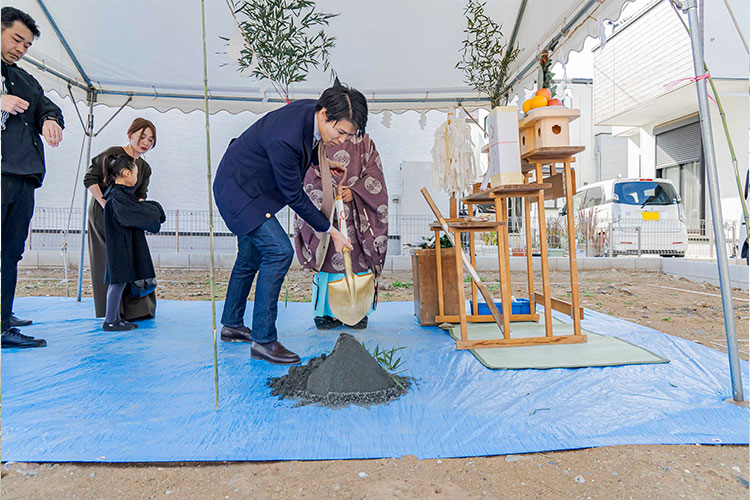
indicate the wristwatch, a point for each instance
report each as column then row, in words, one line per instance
column 56, row 119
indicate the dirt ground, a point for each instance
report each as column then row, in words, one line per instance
column 675, row 306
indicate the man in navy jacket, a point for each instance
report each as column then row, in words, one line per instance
column 26, row 114
column 260, row 173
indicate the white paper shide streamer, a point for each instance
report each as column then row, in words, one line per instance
column 454, row 167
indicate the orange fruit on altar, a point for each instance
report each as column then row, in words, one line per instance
column 554, row 102
column 526, row 106
column 538, row 102
column 545, row 92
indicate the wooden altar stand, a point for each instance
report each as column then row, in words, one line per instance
column 554, row 186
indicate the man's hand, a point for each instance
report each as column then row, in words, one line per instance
column 52, row 132
column 346, row 195
column 13, row 104
column 339, row 240
column 336, row 167
column 102, row 202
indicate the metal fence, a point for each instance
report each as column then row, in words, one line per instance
column 187, row 231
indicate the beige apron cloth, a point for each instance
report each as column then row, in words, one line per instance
column 327, row 206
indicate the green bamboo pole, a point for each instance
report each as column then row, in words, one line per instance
column 737, row 176
column 210, row 207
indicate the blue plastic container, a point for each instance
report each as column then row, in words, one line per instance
column 520, row 306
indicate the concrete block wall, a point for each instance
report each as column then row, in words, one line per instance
column 708, row 272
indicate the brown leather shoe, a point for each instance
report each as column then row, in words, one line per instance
column 239, row 334
column 273, row 352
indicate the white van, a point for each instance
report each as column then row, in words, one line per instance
column 646, row 216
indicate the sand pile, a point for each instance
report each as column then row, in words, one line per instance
column 349, row 375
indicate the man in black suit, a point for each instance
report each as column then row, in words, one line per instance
column 260, row 173
column 26, row 113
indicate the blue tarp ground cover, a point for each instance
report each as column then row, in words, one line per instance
column 147, row 395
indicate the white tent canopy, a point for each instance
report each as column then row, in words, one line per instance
column 401, row 55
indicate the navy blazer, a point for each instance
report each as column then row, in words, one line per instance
column 262, row 171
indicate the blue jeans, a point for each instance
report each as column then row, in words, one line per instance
column 267, row 251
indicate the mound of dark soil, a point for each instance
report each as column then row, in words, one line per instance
column 349, row 375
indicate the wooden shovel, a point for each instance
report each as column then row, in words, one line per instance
column 467, row 263
column 350, row 298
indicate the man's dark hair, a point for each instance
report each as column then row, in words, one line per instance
column 10, row 15
column 344, row 103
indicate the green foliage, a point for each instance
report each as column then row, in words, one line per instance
column 490, row 238
column 547, row 76
column 400, row 284
column 386, row 358
column 485, row 58
column 287, row 39
column 387, row 361
column 445, row 242
column 557, row 233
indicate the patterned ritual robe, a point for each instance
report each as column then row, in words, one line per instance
column 366, row 215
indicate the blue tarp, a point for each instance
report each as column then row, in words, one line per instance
column 147, row 395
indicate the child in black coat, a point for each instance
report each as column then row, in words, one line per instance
column 125, row 220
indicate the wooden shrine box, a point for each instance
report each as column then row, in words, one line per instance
column 545, row 127
column 424, row 277
column 526, row 139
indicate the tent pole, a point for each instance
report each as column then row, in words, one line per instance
column 89, row 135
column 696, row 41
column 65, row 43
column 210, row 207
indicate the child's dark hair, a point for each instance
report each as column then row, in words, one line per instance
column 344, row 103
column 114, row 165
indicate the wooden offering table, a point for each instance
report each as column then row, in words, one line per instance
column 531, row 192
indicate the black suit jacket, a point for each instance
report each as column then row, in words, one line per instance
column 22, row 148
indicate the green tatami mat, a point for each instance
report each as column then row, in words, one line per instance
column 599, row 350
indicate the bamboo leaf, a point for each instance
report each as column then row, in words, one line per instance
column 287, row 38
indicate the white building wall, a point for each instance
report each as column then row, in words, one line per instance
column 613, row 158
column 723, row 49
column 638, row 60
column 581, row 130
column 737, row 108
column 634, row 158
column 653, row 49
column 648, row 153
